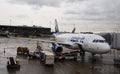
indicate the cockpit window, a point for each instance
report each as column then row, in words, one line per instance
column 100, row 41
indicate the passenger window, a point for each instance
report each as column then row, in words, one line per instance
column 97, row 40
column 73, row 40
column 93, row 41
column 101, row 41
column 81, row 41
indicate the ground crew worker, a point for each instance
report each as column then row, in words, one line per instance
column 38, row 48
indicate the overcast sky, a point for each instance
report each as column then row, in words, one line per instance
column 87, row 15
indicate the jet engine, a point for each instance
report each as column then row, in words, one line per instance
column 56, row 48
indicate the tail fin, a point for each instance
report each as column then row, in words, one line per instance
column 56, row 27
column 73, row 31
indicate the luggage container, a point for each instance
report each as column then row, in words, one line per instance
column 34, row 55
column 47, row 57
column 22, row 51
column 13, row 63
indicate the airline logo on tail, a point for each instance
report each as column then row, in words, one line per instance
column 56, row 27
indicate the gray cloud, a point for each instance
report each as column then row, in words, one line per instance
column 21, row 16
column 96, row 10
column 81, row 9
column 75, row 0
column 37, row 2
column 43, row 2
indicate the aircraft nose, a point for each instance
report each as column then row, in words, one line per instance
column 105, row 48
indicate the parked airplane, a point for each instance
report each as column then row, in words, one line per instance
column 92, row 43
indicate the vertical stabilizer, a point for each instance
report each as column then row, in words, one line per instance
column 56, row 27
column 73, row 31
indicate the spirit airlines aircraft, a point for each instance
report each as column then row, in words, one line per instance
column 92, row 43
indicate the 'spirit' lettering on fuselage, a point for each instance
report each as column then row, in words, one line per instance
column 77, row 39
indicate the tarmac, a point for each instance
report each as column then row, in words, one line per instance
column 8, row 47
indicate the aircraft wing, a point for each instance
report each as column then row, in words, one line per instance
column 53, row 41
column 47, row 41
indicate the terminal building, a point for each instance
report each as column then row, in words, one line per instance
column 24, row 30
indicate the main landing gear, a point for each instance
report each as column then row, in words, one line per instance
column 82, row 52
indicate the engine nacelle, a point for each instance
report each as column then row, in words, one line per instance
column 57, row 48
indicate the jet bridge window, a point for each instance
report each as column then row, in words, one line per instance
column 100, row 41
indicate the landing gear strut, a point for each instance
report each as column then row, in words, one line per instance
column 93, row 57
column 82, row 52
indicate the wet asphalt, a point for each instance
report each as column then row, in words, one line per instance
column 103, row 65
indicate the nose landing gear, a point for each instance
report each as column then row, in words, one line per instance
column 93, row 57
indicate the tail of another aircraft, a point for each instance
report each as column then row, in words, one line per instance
column 73, row 31
column 56, row 27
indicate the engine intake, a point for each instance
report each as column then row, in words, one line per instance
column 57, row 48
